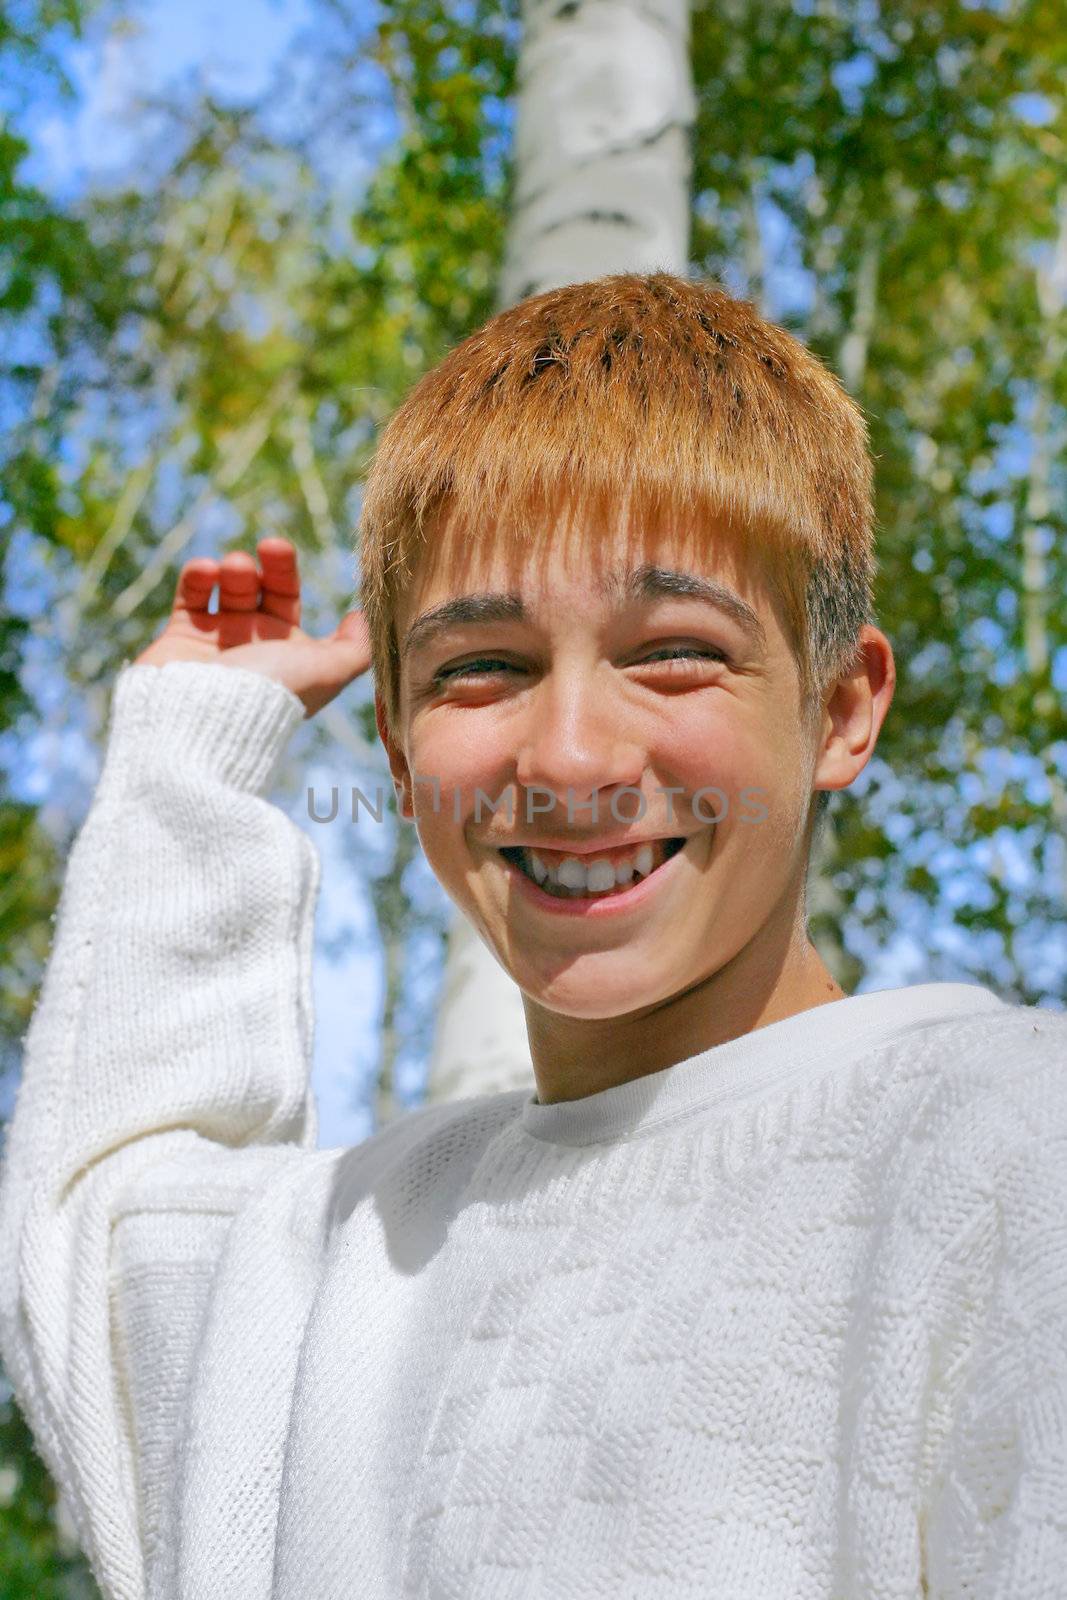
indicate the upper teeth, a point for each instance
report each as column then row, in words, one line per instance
column 572, row 874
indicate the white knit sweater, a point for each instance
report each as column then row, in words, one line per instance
column 784, row 1321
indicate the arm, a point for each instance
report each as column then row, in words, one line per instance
column 996, row 1528
column 170, row 1045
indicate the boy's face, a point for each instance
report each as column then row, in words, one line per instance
column 637, row 701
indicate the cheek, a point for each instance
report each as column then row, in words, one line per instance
column 725, row 752
column 711, row 747
column 437, row 755
column 452, row 763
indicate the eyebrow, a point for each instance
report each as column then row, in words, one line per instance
column 647, row 582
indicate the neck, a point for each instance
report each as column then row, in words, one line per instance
column 577, row 1056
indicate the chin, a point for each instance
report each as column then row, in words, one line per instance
column 584, row 993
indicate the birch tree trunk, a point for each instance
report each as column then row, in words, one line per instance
column 602, row 166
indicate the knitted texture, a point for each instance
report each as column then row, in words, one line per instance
column 784, row 1321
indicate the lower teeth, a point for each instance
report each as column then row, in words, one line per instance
column 583, row 894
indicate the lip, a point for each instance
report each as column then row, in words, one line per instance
column 612, row 905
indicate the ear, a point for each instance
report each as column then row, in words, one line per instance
column 398, row 765
column 855, row 712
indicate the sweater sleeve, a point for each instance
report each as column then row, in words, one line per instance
column 996, row 1527
column 174, row 1018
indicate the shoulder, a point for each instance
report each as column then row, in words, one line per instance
column 960, row 1109
column 992, row 1105
column 966, row 1065
column 428, row 1153
column 1011, row 1129
column 471, row 1120
column 1009, row 1064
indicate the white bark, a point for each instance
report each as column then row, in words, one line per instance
column 601, row 143
column 602, row 185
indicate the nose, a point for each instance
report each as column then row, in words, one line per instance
column 578, row 744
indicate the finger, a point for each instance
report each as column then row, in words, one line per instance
column 196, row 580
column 238, row 582
column 343, row 655
column 279, row 580
column 350, row 646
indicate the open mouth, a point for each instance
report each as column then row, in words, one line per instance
column 570, row 879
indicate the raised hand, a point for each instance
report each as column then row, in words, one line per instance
column 257, row 625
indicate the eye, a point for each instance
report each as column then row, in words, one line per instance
column 682, row 654
column 470, row 669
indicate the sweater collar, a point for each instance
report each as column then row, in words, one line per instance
column 753, row 1065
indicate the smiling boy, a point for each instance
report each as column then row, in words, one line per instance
column 616, row 715
column 761, row 1292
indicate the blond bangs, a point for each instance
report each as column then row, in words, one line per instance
column 643, row 403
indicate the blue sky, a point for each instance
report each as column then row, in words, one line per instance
column 232, row 48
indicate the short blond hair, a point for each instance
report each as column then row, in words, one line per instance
column 669, row 389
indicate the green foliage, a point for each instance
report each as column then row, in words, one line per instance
column 32, row 1566
column 29, row 871
column 918, row 157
